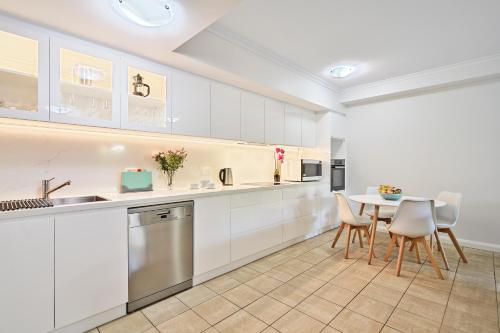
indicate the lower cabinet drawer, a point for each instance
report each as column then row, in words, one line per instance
column 246, row 244
column 299, row 227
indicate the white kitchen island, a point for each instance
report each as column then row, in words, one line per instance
column 68, row 267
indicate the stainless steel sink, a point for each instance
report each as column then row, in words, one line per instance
column 77, row 200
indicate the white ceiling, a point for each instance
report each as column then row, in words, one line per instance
column 97, row 21
column 387, row 38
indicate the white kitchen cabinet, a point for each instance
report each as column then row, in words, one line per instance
column 308, row 129
column 293, row 126
column 299, row 228
column 91, row 263
column 274, row 122
column 249, row 243
column 190, row 105
column 212, row 233
column 84, row 83
column 145, row 96
column 27, row 275
column 225, row 120
column 252, row 117
column 327, row 206
column 24, row 72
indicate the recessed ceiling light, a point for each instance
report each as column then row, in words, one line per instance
column 342, row 71
column 148, row 13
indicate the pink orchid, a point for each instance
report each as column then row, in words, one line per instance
column 282, row 150
column 278, row 150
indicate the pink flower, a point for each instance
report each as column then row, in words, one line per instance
column 278, row 150
column 282, row 150
column 280, row 157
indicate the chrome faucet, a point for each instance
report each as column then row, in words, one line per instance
column 46, row 190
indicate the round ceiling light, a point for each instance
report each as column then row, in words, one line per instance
column 342, row 71
column 148, row 13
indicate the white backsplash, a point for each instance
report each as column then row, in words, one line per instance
column 94, row 160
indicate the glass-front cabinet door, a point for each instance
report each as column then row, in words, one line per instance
column 84, row 84
column 145, row 96
column 24, row 74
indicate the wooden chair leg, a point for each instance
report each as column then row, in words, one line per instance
column 390, row 247
column 400, row 256
column 360, row 238
column 412, row 246
column 440, row 248
column 346, row 254
column 339, row 232
column 417, row 252
column 354, row 236
column 457, row 246
column 367, row 232
column 431, row 257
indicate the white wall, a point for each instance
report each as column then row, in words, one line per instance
column 441, row 140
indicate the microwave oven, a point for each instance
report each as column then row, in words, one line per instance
column 304, row 170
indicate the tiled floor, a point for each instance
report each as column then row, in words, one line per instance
column 309, row 287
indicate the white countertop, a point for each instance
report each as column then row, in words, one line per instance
column 143, row 199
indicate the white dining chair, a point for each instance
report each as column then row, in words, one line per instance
column 413, row 221
column 351, row 221
column 447, row 218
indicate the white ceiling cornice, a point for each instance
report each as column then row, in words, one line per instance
column 463, row 72
column 263, row 52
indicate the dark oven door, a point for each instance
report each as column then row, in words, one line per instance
column 311, row 170
column 338, row 179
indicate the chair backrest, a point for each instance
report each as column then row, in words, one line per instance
column 372, row 190
column 414, row 218
column 451, row 211
column 345, row 211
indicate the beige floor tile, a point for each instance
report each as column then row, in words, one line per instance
column 319, row 308
column 187, row 322
column 351, row 322
column 350, row 281
column 92, row 331
column 155, row 330
column 211, row 330
column 242, row 295
column 261, row 265
column 243, row 274
column 422, row 307
column 280, row 273
column 196, row 295
column 476, row 308
column 387, row 329
column 267, row 309
column 215, row 309
column 288, row 294
column 473, row 292
column 240, row 322
column 335, row 294
column 430, row 294
column 383, row 294
column 329, row 329
column 133, row 323
column 408, row 322
column 313, row 257
column 306, row 282
column 297, row 322
column 264, row 283
column 390, row 280
column 321, row 273
column 371, row 308
column 222, row 284
column 295, row 266
column 270, row 330
column 164, row 310
column 468, row 322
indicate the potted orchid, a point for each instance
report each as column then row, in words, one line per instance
column 279, row 157
column 170, row 162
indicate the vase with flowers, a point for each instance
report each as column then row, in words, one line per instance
column 169, row 162
column 279, row 157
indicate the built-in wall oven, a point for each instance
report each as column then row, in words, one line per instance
column 304, row 170
column 337, row 177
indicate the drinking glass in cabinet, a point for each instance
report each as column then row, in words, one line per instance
column 85, row 85
column 147, row 95
column 18, row 72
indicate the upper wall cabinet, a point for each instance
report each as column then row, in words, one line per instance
column 308, row 129
column 275, row 122
column 145, row 103
column 24, row 72
column 84, row 84
column 190, row 105
column 225, row 112
column 293, row 126
column 252, row 117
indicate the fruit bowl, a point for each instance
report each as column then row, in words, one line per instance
column 391, row 196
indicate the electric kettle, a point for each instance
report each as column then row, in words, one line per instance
column 226, row 176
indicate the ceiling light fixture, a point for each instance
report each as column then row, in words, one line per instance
column 148, row 13
column 342, row 71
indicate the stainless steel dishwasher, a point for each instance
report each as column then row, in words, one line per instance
column 160, row 252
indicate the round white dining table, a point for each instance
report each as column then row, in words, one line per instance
column 377, row 201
